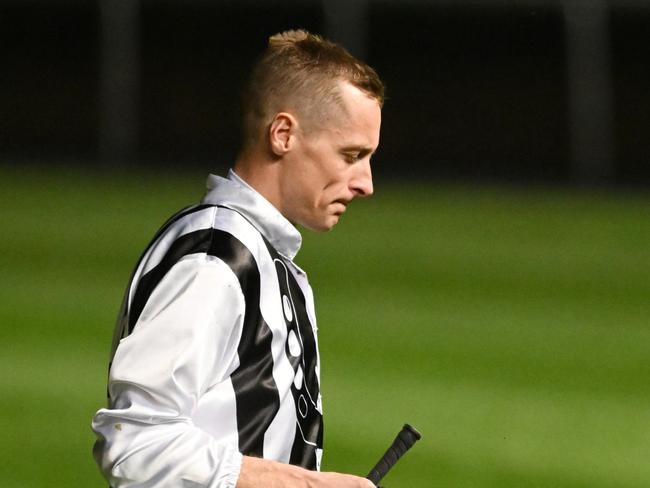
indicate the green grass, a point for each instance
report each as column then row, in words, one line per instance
column 511, row 326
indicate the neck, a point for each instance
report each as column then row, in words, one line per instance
column 261, row 173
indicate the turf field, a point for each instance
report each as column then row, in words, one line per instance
column 511, row 326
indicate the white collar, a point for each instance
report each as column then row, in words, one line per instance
column 238, row 195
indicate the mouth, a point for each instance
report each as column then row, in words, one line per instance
column 341, row 206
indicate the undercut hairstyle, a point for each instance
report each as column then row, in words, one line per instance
column 301, row 72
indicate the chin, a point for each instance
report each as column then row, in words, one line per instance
column 323, row 226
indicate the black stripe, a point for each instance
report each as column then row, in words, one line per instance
column 256, row 393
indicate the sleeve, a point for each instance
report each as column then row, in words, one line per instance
column 184, row 342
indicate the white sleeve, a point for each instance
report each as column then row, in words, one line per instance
column 184, row 341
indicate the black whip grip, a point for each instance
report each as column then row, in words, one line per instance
column 402, row 443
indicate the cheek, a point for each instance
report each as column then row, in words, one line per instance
column 324, row 175
column 333, row 174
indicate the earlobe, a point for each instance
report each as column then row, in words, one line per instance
column 281, row 133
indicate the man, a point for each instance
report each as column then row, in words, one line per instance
column 214, row 380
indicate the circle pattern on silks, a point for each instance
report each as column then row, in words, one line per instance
column 301, row 350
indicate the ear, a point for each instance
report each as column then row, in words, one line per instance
column 282, row 133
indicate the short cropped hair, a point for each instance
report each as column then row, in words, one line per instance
column 301, row 71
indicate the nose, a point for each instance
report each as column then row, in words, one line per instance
column 361, row 183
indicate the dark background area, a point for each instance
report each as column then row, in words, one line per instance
column 475, row 92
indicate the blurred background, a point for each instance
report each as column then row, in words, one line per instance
column 494, row 292
column 523, row 90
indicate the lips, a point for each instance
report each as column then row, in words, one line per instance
column 341, row 206
column 342, row 202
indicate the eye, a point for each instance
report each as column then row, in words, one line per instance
column 351, row 157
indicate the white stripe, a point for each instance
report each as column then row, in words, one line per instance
column 190, row 223
column 220, row 398
column 156, row 252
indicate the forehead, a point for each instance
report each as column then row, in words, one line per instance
column 358, row 119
